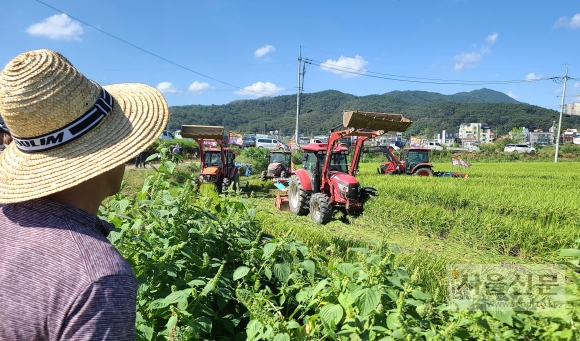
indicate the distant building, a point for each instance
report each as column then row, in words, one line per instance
column 445, row 137
column 478, row 131
column 569, row 135
column 572, row 109
column 541, row 138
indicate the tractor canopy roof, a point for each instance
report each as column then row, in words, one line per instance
column 426, row 149
column 317, row 147
column 280, row 152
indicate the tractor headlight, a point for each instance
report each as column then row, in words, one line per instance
column 343, row 190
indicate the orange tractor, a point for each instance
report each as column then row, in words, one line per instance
column 326, row 182
column 217, row 162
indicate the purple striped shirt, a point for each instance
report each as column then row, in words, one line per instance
column 60, row 278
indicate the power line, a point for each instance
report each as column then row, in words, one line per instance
column 147, row 51
column 410, row 79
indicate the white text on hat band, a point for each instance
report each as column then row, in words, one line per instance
column 70, row 132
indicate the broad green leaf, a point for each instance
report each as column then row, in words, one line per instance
column 282, row 272
column 570, row 253
column 254, row 328
column 309, row 266
column 196, row 283
column 292, row 325
column 145, row 330
column 209, row 287
column 240, row 272
column 269, row 249
column 171, row 323
column 393, row 321
column 268, row 273
column 331, row 314
column 367, row 300
column 282, row 337
column 346, row 268
column 301, row 296
column 419, row 295
column 503, row 314
column 346, row 299
column 204, row 324
column 321, row 285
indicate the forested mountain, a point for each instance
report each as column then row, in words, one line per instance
column 321, row 111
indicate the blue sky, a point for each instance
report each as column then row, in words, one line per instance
column 215, row 52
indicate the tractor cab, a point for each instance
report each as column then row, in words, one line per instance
column 314, row 156
column 413, row 157
column 279, row 165
column 414, row 161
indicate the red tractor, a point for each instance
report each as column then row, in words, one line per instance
column 279, row 165
column 217, row 163
column 415, row 161
column 326, row 182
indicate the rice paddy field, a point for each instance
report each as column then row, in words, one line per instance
column 520, row 212
column 502, row 213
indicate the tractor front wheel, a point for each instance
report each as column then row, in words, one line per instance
column 320, row 208
column 298, row 197
column 263, row 176
column 423, row 172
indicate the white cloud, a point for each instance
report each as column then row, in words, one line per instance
column 166, row 88
column 573, row 22
column 260, row 89
column 512, row 95
column 198, row 88
column 57, row 27
column 264, row 50
column 469, row 59
column 577, row 85
column 532, row 76
column 466, row 59
column 346, row 66
column 491, row 38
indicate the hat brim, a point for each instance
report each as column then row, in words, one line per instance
column 139, row 116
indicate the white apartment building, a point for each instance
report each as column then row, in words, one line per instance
column 572, row 109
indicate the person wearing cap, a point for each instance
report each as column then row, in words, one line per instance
column 60, row 278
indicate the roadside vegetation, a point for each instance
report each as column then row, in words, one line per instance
column 232, row 267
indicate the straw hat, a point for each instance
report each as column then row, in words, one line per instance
column 67, row 128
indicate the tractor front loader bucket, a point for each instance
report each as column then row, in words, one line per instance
column 202, row 132
column 374, row 120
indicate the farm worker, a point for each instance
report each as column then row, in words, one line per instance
column 248, row 169
column 60, row 278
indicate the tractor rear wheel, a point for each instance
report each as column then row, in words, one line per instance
column 320, row 208
column 423, row 172
column 263, row 176
column 298, row 197
column 226, row 185
column 283, row 174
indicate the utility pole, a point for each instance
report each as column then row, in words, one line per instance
column 297, row 132
column 561, row 113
